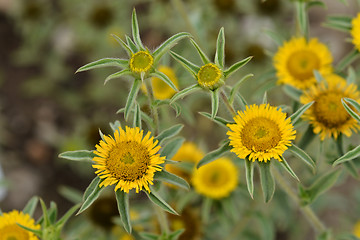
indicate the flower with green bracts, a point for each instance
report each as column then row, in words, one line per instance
column 211, row 75
column 142, row 62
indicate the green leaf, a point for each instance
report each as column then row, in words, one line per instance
column 35, row 231
column 302, row 18
column 131, row 44
column 92, row 192
column 347, row 60
column 79, row 155
column 302, row 155
column 264, row 100
column 171, row 148
column 221, row 121
column 105, row 62
column 191, row 67
column 122, row 199
column 176, row 234
column 215, row 154
column 319, row 78
column 315, row 4
column 52, row 212
column 206, row 209
column 185, row 92
column 45, row 213
column 220, row 49
column 160, row 202
column 296, row 115
column 287, row 167
column 168, row 44
column 352, row 113
column 137, row 116
column 171, row 178
column 352, row 169
column 123, row 44
column 267, row 181
column 236, row 66
column 236, row 87
column 249, row 166
column 131, row 98
column 117, row 75
column 203, row 56
column 168, row 133
column 115, row 126
column 214, row 103
column 31, row 206
column 71, row 194
column 292, row 92
column 164, row 78
column 342, row 23
column 135, row 30
column 243, row 103
column 351, row 78
column 350, row 155
column 67, row 216
column 149, row 236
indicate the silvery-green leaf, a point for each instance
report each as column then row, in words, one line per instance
column 31, row 205
column 219, row 120
column 171, row 178
column 131, row 44
column 169, row 132
column 122, row 200
column 137, row 116
column 249, row 166
column 214, row 103
column 206, row 209
column 267, row 181
column 164, row 78
column 171, row 148
column 264, row 100
column 347, row 60
column 123, row 44
column 79, row 155
column 135, row 30
column 105, row 62
column 296, row 115
column 342, row 23
column 203, row 56
column 160, row 202
column 350, row 155
column 319, row 78
column 236, row 66
column 115, row 126
column 220, row 49
column 302, row 18
column 287, row 167
column 132, row 97
column 176, row 234
column 351, row 78
column 292, row 92
column 215, row 154
column 352, row 113
column 117, row 75
column 92, row 192
column 236, row 87
column 303, row 156
column 185, row 92
column 191, row 67
column 315, row 4
column 353, row 103
column 66, row 216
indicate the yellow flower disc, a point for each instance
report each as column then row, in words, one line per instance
column 217, row 179
column 128, row 160
column 297, row 59
column 209, row 76
column 327, row 115
column 356, row 230
column 9, row 230
column 355, row 31
column 141, row 62
column 260, row 133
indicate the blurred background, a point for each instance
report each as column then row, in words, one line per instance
column 46, row 109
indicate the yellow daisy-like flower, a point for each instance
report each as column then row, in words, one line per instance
column 297, row 59
column 141, row 62
column 355, row 31
column 128, row 160
column 356, row 230
column 261, row 133
column 327, row 115
column 217, row 179
column 210, row 76
column 10, row 230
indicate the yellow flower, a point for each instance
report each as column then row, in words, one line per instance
column 297, row 59
column 141, row 62
column 355, row 31
column 260, row 133
column 210, row 76
column 127, row 236
column 161, row 89
column 128, row 160
column 356, row 230
column 327, row 115
column 9, row 230
column 217, row 179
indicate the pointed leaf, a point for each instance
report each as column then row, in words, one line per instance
column 292, row 92
column 249, row 165
column 220, row 49
column 149, row 236
column 296, row 115
column 185, row 92
column 350, row 166
column 45, row 213
column 105, row 62
column 31, row 206
column 122, row 199
column 267, row 181
column 131, row 44
column 323, row 184
column 221, row 121
column 171, row 148
column 168, row 133
column 164, row 78
column 117, row 75
column 137, row 116
column 351, row 78
column 342, row 23
column 115, row 126
column 214, row 103
column 171, row 178
column 287, row 167
column 236, row 66
column 135, row 30
column 347, row 60
column 350, row 111
column 215, row 154
column 92, row 192
column 191, row 67
column 79, row 155
column 303, row 156
column 319, row 78
column 302, row 18
column 264, row 100
column 132, row 97
column 206, row 209
column 241, row 101
column 123, row 44
column 203, row 56
column 350, row 155
column 67, row 216
column 168, row 44
column 52, row 212
column 236, row 87
column 160, row 202
column 175, row 235
column 35, row 231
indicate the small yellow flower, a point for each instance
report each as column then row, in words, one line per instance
column 327, row 115
column 217, row 179
column 356, row 230
column 260, row 133
column 141, row 62
column 128, row 160
column 297, row 59
column 9, row 229
column 355, row 31
column 210, row 76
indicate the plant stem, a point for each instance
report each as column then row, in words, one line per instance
column 226, row 102
column 161, row 215
column 154, row 111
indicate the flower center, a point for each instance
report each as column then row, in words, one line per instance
column 209, row 75
column 260, row 134
column 301, row 64
column 216, row 178
column 328, row 109
column 128, row 161
column 141, row 62
column 13, row 232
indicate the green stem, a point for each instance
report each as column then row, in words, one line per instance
column 226, row 102
column 154, row 111
column 161, row 215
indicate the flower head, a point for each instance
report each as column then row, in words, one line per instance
column 261, row 133
column 141, row 61
column 355, row 31
column 217, row 179
column 327, row 115
column 10, row 230
column 128, row 160
column 210, row 76
column 356, row 230
column 297, row 59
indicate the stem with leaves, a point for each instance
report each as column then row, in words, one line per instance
column 154, row 111
column 227, row 103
